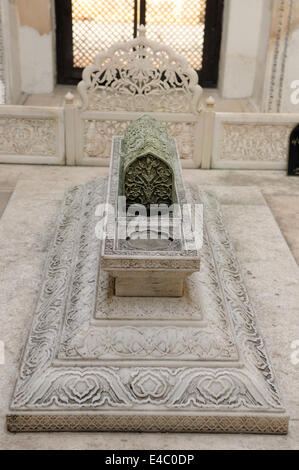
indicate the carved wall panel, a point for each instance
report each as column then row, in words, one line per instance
column 252, row 140
column 27, row 136
column 33, row 135
column 263, row 142
column 97, row 136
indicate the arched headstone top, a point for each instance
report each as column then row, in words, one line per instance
column 147, row 163
column 146, row 136
column 140, row 75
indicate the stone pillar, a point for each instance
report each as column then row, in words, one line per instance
column 208, row 119
column 282, row 66
column 70, row 115
column 242, row 27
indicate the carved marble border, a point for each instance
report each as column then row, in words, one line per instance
column 203, row 334
column 49, row 395
column 277, row 55
column 258, row 424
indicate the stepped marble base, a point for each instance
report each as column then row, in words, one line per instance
column 96, row 362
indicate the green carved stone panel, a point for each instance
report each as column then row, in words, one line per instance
column 147, row 175
column 148, row 180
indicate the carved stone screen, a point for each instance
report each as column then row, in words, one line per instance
column 87, row 27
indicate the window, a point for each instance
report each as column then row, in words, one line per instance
column 191, row 27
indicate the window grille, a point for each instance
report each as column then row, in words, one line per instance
column 86, row 27
column 179, row 23
column 97, row 24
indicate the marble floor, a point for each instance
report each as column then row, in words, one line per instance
column 278, row 194
column 4, row 198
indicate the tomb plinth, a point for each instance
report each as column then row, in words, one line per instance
column 143, row 333
column 108, row 352
column 153, row 257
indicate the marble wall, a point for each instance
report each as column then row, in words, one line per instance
column 36, row 45
column 244, row 23
column 259, row 53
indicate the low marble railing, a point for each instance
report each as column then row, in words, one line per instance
column 70, row 136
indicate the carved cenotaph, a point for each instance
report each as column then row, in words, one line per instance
column 144, row 333
column 145, row 169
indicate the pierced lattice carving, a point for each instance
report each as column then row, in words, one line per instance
column 140, row 75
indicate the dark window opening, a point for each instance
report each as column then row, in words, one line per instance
column 86, row 27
